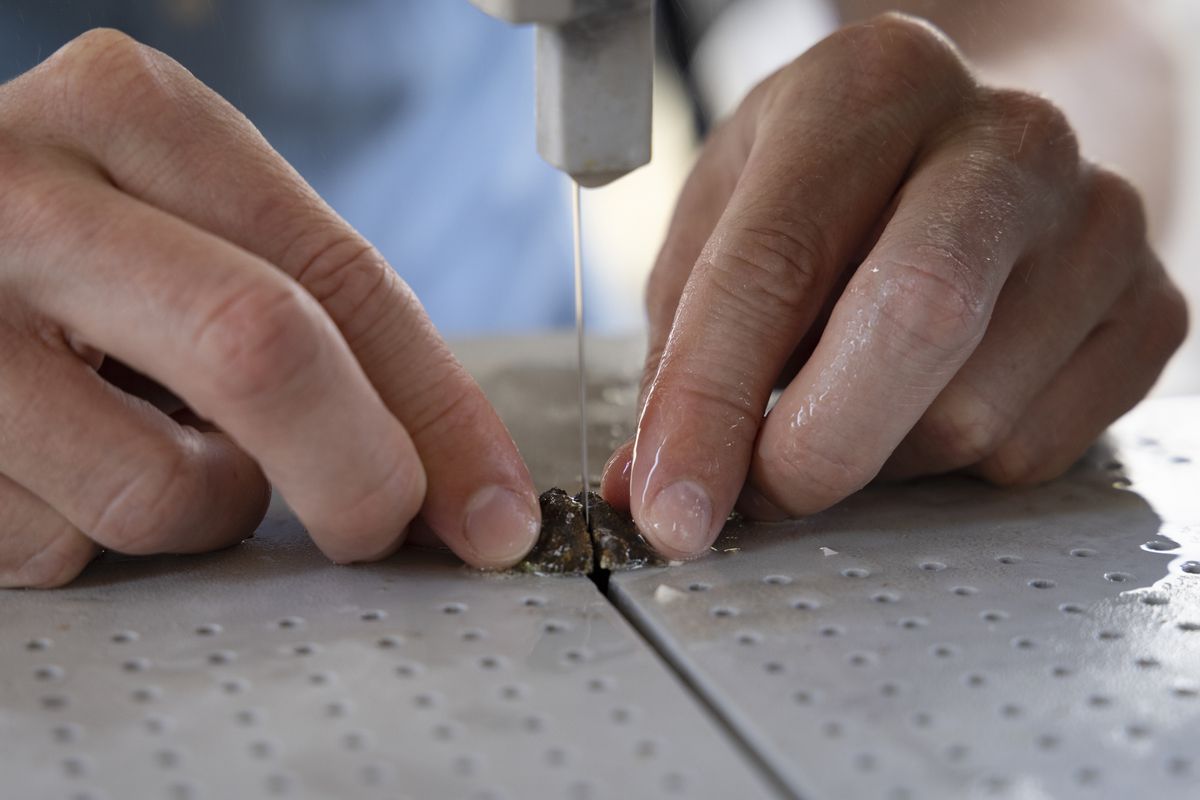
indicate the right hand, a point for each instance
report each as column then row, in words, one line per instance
column 926, row 264
column 143, row 219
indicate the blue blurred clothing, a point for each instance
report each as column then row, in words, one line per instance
column 412, row 118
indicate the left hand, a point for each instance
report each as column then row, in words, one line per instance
column 926, row 263
column 148, row 231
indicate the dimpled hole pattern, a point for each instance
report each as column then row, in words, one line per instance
column 964, row 640
column 415, row 678
column 265, row 671
column 890, row 665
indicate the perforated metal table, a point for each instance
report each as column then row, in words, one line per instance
column 942, row 639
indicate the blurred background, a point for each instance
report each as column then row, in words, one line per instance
column 1126, row 73
column 414, row 119
column 1177, row 22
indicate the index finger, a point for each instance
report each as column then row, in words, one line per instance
column 835, row 135
column 167, row 139
column 243, row 344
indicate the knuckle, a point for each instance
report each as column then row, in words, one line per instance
column 936, row 302
column 449, row 403
column 347, row 276
column 104, row 75
column 1160, row 314
column 896, row 49
column 1172, row 315
column 138, row 511
column 724, row 404
column 342, row 272
column 97, row 47
column 962, row 432
column 1116, row 206
column 100, row 40
column 994, row 168
column 259, row 342
column 1031, row 124
column 988, row 196
column 771, row 269
column 94, row 56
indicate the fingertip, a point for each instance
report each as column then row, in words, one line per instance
column 500, row 526
column 350, row 556
column 614, row 485
column 377, row 525
column 678, row 521
column 755, row 506
column 57, row 563
column 245, row 481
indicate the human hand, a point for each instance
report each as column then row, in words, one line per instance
column 926, row 263
column 145, row 220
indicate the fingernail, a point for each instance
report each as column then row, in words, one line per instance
column 755, row 505
column 680, row 518
column 500, row 526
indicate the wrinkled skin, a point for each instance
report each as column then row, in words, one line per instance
column 146, row 224
column 924, row 263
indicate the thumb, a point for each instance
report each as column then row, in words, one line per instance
column 699, row 208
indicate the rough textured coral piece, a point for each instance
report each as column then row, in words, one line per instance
column 618, row 544
column 564, row 548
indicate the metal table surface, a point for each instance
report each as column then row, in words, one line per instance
column 941, row 639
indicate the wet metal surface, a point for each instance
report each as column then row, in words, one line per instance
column 949, row 639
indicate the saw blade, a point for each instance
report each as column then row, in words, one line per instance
column 580, row 335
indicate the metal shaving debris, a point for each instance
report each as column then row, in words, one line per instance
column 667, row 594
